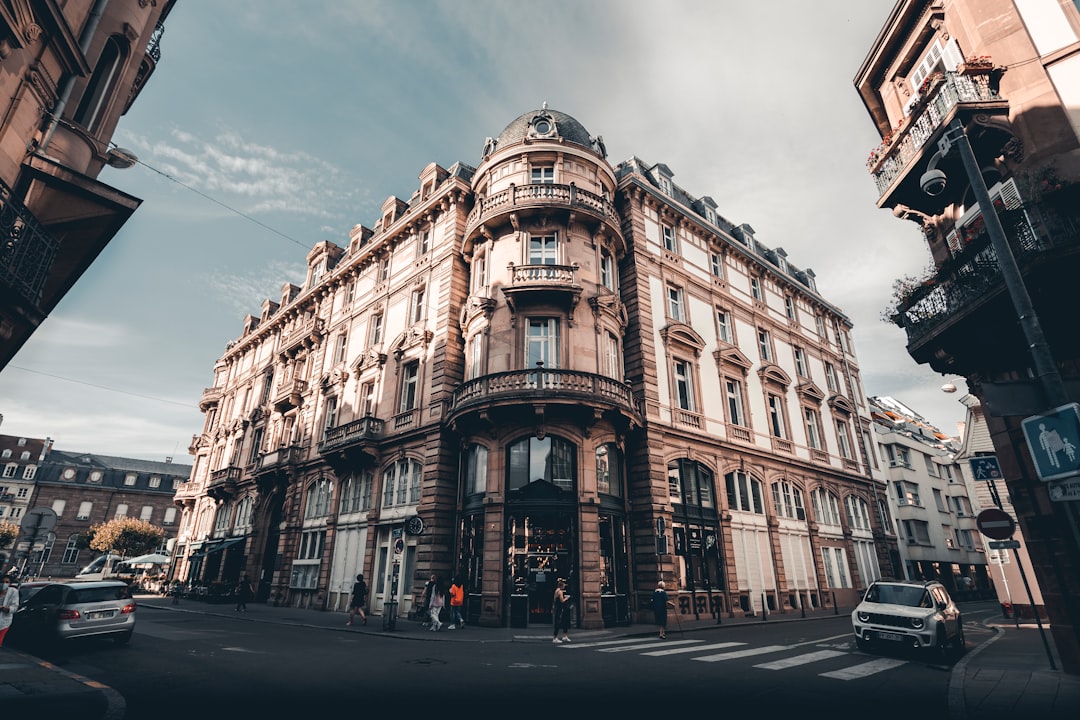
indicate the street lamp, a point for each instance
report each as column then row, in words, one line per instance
column 933, row 183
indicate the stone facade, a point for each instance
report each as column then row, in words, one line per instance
column 542, row 366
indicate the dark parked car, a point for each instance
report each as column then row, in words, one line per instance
column 63, row 611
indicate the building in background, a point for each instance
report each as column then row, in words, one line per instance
column 997, row 81
column 932, row 500
column 68, row 71
column 20, row 460
column 543, row 366
column 85, row 489
column 1012, row 582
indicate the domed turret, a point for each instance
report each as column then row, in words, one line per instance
column 545, row 125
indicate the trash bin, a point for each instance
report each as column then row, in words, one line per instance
column 389, row 615
column 519, row 611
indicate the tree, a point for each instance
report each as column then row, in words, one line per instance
column 8, row 533
column 127, row 537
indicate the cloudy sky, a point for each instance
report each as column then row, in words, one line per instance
column 271, row 125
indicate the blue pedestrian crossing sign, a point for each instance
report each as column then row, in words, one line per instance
column 1054, row 442
column 985, row 467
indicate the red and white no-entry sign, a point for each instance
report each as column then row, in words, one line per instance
column 995, row 524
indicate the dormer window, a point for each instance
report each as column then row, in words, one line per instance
column 665, row 185
column 317, row 273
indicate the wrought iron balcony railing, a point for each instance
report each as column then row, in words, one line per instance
column 888, row 161
column 973, row 274
column 26, row 250
column 547, row 382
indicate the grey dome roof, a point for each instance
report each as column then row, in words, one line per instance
column 566, row 127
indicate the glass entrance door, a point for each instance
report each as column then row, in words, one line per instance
column 540, row 551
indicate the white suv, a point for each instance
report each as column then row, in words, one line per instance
column 902, row 614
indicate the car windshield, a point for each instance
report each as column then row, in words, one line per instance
column 899, row 595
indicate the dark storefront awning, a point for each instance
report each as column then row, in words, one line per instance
column 216, row 547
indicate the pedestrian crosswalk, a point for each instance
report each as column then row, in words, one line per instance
column 796, row 655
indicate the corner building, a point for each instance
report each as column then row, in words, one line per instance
column 544, row 366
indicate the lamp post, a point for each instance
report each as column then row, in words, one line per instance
column 1053, row 388
column 1047, row 372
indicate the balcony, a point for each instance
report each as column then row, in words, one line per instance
column 277, row 460
column 898, row 163
column 501, row 396
column 946, row 315
column 210, row 396
column 289, row 394
column 303, row 334
column 222, row 485
column 542, row 283
column 521, row 200
column 361, row 433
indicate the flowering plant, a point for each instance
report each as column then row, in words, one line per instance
column 930, row 81
column 981, row 61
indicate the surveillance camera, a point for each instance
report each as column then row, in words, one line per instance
column 933, row 182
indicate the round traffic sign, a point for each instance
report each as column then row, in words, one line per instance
column 996, row 524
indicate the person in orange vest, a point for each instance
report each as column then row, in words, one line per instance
column 457, row 601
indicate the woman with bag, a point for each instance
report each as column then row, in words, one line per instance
column 437, row 600
column 560, row 608
column 356, row 602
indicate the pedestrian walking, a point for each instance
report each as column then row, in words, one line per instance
column 244, row 592
column 660, row 605
column 560, row 610
column 457, row 601
column 425, row 601
column 436, row 601
column 9, row 603
column 176, row 591
column 356, row 602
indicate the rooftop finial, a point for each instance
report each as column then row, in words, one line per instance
column 544, row 105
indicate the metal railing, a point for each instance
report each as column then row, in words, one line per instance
column 366, row 428
column 27, row 251
column 888, row 161
column 973, row 274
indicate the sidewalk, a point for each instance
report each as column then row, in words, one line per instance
column 1007, row 676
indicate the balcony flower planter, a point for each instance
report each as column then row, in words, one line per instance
column 976, row 66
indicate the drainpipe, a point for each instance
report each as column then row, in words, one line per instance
column 65, row 92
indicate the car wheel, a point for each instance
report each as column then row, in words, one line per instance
column 124, row 638
column 959, row 642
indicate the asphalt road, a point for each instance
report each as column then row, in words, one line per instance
column 189, row 666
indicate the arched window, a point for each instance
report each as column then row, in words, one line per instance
column 788, row 500
column 243, row 514
column 102, row 83
column 744, row 492
column 690, row 483
column 550, row 459
column 826, row 507
column 609, row 470
column 401, row 483
column 476, row 460
column 318, row 499
column 858, row 512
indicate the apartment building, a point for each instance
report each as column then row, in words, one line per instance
column 977, row 106
column 68, row 71
column 932, row 501
column 542, row 366
column 20, row 459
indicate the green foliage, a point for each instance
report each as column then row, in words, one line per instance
column 127, row 537
column 8, row 533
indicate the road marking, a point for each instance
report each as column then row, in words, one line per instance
column 744, row 653
column 573, row 645
column 800, row 660
column 243, row 650
column 864, row 669
column 696, row 648
column 650, row 644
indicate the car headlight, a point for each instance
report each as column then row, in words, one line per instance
column 917, row 623
column 863, row 616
